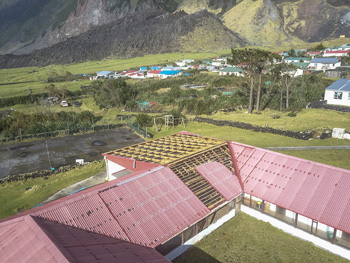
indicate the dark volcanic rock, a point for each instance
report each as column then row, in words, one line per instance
column 146, row 32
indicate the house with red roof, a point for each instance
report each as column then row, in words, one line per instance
column 336, row 53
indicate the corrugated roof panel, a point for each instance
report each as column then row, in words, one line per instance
column 221, row 178
column 85, row 213
column 323, row 192
column 22, row 241
column 87, row 247
column 154, row 208
column 314, row 190
column 338, row 201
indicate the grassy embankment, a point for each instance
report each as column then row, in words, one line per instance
column 15, row 198
column 246, row 239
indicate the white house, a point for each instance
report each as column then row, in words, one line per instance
column 337, row 53
column 324, row 63
column 153, row 73
column 338, row 93
column 289, row 60
column 232, row 71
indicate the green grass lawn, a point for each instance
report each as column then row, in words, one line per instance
column 306, row 119
column 246, row 239
column 335, row 157
column 15, row 198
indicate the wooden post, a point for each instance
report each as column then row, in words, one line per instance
column 296, row 220
column 250, row 201
column 334, row 236
column 263, row 205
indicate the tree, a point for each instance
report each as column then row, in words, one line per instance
column 253, row 61
column 288, row 72
column 320, row 47
column 113, row 93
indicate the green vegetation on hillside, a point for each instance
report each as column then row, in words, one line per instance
column 246, row 239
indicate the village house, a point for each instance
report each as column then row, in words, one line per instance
column 228, row 71
column 170, row 73
column 153, row 73
column 338, row 53
column 312, row 54
column 324, row 64
column 338, row 93
column 289, row 60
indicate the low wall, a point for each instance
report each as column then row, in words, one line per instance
column 251, row 127
column 323, row 105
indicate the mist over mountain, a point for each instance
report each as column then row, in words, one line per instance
column 63, row 31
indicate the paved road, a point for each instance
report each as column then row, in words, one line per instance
column 309, row 148
column 44, row 154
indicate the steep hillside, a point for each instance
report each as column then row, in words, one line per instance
column 278, row 22
column 218, row 7
column 259, row 21
column 29, row 25
column 315, row 20
column 145, row 32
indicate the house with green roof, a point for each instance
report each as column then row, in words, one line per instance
column 228, row 71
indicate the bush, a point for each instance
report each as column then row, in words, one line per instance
column 292, row 114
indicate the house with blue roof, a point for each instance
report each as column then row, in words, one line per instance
column 338, row 93
column 324, row 64
column 104, row 74
column 169, row 73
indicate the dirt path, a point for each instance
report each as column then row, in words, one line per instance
column 44, row 154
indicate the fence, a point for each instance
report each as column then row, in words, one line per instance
column 246, row 126
column 68, row 131
column 136, row 127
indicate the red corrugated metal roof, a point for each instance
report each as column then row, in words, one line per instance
column 87, row 247
column 221, row 178
column 314, row 190
column 153, row 208
column 147, row 208
column 154, row 71
column 31, row 239
column 22, row 240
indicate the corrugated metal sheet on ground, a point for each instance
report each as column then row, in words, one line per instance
column 317, row 191
column 221, row 178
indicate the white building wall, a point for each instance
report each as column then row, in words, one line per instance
column 113, row 168
column 344, row 101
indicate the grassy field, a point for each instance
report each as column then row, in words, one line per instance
column 338, row 157
column 335, row 157
column 246, row 239
column 36, row 77
column 15, row 198
column 307, row 119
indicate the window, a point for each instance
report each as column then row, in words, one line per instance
column 338, row 95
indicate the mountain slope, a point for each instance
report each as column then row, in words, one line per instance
column 278, row 22
column 145, row 32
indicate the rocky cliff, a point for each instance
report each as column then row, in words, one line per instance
column 144, row 32
column 37, row 27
